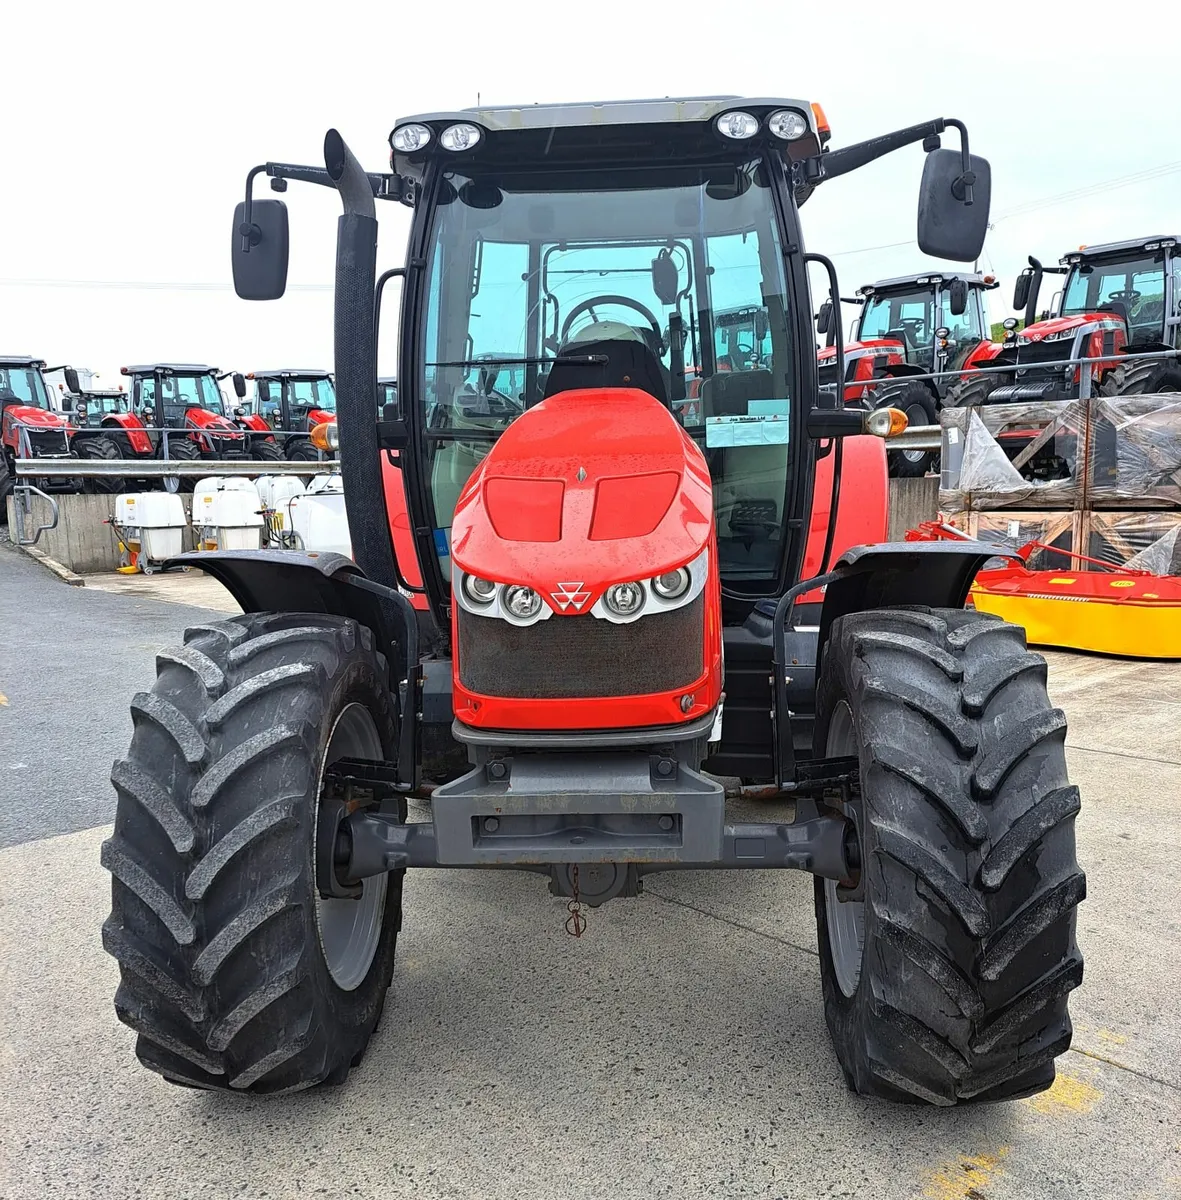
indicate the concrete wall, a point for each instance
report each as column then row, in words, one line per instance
column 81, row 541
column 912, row 501
column 84, row 544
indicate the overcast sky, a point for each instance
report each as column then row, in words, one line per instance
column 126, row 132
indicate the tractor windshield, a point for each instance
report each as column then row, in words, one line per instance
column 908, row 317
column 524, row 267
column 308, row 394
column 23, row 385
column 1134, row 288
column 179, row 392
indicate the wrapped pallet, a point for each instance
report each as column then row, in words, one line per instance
column 1019, row 456
column 1144, row 541
column 1135, row 451
column 1012, row 530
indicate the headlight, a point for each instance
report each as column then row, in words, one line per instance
column 624, row 599
column 459, row 137
column 787, row 124
column 672, row 585
column 737, row 125
column 480, row 591
column 408, row 138
column 522, row 602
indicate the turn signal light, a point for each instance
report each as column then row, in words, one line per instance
column 327, row 436
column 884, row 422
column 822, row 126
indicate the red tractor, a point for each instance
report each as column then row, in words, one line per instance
column 913, row 326
column 29, row 425
column 622, row 611
column 295, row 401
column 185, row 399
column 1119, row 299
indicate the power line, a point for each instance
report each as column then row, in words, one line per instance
column 1092, row 189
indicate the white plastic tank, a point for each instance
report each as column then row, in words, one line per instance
column 153, row 526
column 227, row 514
column 275, row 493
column 318, row 517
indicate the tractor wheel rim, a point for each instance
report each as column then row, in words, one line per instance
column 916, row 414
column 845, row 918
column 351, row 929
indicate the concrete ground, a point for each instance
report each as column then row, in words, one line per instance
column 678, row 1049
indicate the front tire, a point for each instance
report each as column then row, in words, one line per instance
column 946, row 967
column 302, row 450
column 916, row 400
column 267, row 450
column 99, row 449
column 1142, row 378
column 181, row 449
column 235, row 973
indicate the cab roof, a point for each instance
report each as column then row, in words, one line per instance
column 290, row 372
column 174, row 368
column 972, row 279
column 1114, row 249
column 21, row 360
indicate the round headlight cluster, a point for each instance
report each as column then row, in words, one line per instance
column 624, row 599
column 479, row 591
column 523, row 602
column 406, row 139
column 787, row 124
column 672, row 585
column 459, row 137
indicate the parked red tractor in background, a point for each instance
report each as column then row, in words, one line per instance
column 915, row 325
column 185, row 399
column 29, row 425
column 1120, row 298
column 295, row 401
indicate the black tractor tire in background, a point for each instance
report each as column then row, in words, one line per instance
column 1142, row 378
column 235, row 974
column 921, row 408
column 301, row 449
column 972, row 389
column 267, row 450
column 7, row 483
column 182, row 449
column 99, row 449
column 946, row 967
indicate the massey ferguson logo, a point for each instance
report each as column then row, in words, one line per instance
column 570, row 595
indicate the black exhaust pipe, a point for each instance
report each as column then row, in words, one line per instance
column 355, row 354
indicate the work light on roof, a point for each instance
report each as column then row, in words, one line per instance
column 459, row 137
column 408, row 138
column 787, row 124
column 737, row 125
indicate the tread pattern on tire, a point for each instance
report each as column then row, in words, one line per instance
column 972, row 876
column 213, row 920
column 902, row 393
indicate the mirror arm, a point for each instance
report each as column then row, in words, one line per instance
column 851, row 158
column 836, row 329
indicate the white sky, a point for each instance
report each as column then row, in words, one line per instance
column 127, row 130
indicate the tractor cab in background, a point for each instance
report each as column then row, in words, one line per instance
column 1118, row 298
column 30, row 426
column 911, row 326
column 295, row 401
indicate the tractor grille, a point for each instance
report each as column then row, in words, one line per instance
column 48, row 443
column 569, row 658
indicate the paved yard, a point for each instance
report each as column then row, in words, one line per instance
column 677, row 1050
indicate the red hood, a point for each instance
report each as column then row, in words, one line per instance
column 1040, row 330
column 851, row 347
column 30, row 414
column 596, row 486
column 317, row 416
column 204, row 419
column 255, row 421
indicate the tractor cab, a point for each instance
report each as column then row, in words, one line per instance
column 29, row 424
column 295, row 401
column 1119, row 298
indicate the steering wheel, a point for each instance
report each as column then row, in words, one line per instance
column 1127, row 296
column 625, row 301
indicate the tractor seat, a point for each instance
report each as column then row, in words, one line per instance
column 628, row 364
column 1116, row 306
column 727, row 393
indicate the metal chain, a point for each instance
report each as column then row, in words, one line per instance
column 576, row 921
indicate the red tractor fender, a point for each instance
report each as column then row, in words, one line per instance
column 317, row 416
column 256, row 422
column 137, row 436
column 870, row 360
column 983, row 354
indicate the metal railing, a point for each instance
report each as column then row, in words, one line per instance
column 157, row 468
column 22, row 511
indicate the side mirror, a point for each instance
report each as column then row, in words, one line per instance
column 1021, row 289
column 260, row 250
column 824, row 317
column 665, row 278
column 943, row 333
column 71, row 380
column 957, row 294
column 239, row 385
column 947, row 227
